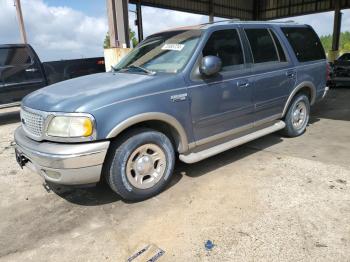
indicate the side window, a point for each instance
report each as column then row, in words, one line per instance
column 262, row 45
column 226, row 45
column 14, row 56
column 281, row 54
column 305, row 43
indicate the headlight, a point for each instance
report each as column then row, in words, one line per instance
column 70, row 126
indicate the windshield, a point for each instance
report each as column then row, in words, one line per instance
column 164, row 52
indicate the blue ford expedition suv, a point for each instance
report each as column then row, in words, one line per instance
column 190, row 92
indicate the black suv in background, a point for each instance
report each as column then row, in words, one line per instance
column 341, row 71
column 21, row 72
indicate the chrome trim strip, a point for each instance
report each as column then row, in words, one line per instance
column 24, row 83
column 10, row 105
column 182, row 143
column 325, row 91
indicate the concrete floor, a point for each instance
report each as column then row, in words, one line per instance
column 274, row 199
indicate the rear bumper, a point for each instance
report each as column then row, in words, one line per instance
column 68, row 164
column 321, row 94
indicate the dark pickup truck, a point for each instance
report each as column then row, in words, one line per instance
column 341, row 71
column 22, row 72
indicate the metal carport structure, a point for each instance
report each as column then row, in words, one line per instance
column 240, row 9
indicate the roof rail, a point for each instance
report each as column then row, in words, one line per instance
column 222, row 21
column 283, row 22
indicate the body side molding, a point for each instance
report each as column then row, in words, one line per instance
column 306, row 84
column 154, row 116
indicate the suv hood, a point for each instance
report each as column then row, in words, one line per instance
column 85, row 94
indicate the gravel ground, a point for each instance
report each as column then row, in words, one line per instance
column 274, row 199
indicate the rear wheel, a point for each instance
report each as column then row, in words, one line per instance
column 297, row 116
column 140, row 165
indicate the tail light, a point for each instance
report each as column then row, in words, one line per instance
column 100, row 62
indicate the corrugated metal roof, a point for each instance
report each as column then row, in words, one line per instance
column 272, row 9
column 242, row 9
column 247, row 9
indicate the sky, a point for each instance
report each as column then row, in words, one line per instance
column 66, row 29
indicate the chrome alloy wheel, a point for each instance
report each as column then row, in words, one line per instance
column 299, row 116
column 146, row 166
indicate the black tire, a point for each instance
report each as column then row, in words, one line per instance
column 291, row 130
column 119, row 154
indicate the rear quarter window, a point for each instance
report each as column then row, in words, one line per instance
column 305, row 43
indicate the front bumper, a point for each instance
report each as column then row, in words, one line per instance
column 68, row 164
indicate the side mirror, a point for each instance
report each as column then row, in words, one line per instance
column 210, row 65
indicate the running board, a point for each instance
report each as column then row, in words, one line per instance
column 198, row 156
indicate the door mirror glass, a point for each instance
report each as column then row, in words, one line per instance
column 210, row 65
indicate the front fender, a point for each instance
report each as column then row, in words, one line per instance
column 168, row 119
column 114, row 119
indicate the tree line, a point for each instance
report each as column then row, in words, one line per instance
column 344, row 45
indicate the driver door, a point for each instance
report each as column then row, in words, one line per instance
column 222, row 104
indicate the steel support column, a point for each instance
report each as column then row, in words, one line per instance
column 211, row 11
column 118, row 23
column 336, row 26
column 139, row 20
column 255, row 9
column 20, row 21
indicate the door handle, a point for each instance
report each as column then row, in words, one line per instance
column 242, row 83
column 290, row 74
column 31, row 70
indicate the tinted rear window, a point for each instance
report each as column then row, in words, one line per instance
column 14, row 56
column 305, row 43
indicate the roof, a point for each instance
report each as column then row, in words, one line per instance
column 247, row 9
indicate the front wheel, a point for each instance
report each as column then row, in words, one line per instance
column 140, row 165
column 297, row 116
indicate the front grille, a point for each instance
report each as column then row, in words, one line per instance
column 32, row 123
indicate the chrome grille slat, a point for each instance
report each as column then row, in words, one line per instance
column 32, row 123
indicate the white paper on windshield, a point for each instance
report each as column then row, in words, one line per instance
column 173, row 47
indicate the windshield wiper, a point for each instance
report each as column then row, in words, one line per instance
column 149, row 72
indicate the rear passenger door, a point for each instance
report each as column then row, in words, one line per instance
column 272, row 71
column 222, row 104
column 20, row 73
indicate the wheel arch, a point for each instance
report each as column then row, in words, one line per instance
column 307, row 88
column 159, row 121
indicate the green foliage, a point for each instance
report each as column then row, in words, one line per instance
column 107, row 42
column 133, row 39
column 344, row 45
column 132, row 36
